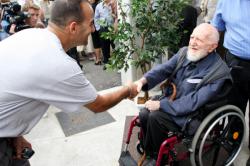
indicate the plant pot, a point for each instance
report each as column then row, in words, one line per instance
column 142, row 100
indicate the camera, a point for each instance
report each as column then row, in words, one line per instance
column 13, row 15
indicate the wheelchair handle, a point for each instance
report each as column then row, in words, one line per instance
column 165, row 85
column 173, row 95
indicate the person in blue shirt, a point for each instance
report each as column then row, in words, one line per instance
column 199, row 60
column 3, row 23
column 105, row 17
column 232, row 17
column 3, row 33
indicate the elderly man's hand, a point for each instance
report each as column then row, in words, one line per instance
column 152, row 105
column 140, row 83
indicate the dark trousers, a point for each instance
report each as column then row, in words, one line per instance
column 105, row 44
column 74, row 54
column 240, row 93
column 155, row 127
column 6, row 155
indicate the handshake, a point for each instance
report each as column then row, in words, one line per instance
column 135, row 87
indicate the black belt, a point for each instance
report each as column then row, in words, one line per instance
column 237, row 57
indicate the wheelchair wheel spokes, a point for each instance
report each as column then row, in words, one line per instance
column 233, row 139
column 227, row 126
column 224, row 144
column 218, row 140
column 208, row 150
column 210, row 155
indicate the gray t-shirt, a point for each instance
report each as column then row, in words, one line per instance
column 35, row 72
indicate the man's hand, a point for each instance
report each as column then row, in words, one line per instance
column 132, row 90
column 152, row 105
column 140, row 83
column 19, row 144
column 12, row 29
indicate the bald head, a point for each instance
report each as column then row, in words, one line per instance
column 209, row 32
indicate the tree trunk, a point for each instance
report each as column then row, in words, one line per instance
column 142, row 100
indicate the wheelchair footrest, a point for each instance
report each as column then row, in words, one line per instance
column 126, row 159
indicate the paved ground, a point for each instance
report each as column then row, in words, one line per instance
column 101, row 79
column 100, row 146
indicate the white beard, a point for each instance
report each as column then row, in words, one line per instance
column 196, row 57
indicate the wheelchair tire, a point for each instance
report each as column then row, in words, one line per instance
column 210, row 144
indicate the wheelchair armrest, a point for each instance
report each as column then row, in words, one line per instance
column 192, row 123
column 220, row 99
column 213, row 105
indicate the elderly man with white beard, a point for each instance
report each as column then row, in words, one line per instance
column 199, row 58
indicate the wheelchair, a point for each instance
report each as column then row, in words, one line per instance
column 216, row 141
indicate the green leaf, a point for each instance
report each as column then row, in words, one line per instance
column 156, row 24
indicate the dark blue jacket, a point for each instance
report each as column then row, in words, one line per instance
column 188, row 98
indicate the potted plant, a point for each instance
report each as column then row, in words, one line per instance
column 153, row 29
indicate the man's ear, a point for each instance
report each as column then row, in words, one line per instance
column 212, row 47
column 73, row 27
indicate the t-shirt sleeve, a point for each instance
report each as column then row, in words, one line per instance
column 71, row 93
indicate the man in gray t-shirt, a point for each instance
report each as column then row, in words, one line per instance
column 35, row 72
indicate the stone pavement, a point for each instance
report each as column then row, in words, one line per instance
column 101, row 79
column 100, row 146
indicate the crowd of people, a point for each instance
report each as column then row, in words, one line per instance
column 70, row 24
column 97, row 49
column 16, row 16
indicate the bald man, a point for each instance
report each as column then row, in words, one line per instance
column 162, row 115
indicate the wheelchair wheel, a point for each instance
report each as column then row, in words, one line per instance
column 219, row 138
